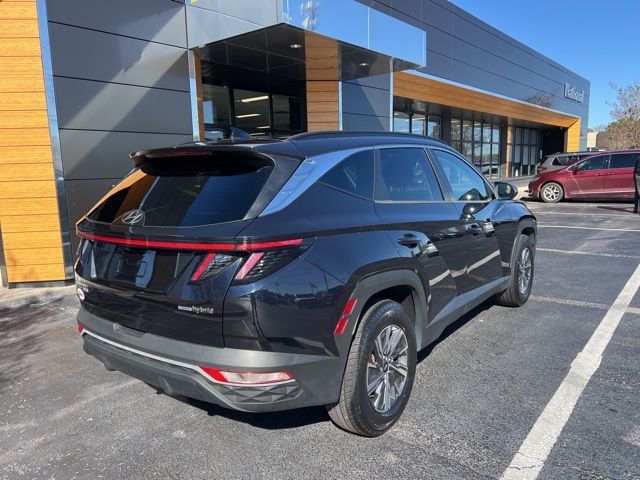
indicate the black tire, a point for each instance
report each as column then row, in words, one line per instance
column 514, row 295
column 354, row 410
column 551, row 192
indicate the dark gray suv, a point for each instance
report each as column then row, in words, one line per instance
column 270, row 275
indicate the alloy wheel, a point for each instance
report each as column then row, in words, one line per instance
column 387, row 368
column 551, row 193
column 524, row 271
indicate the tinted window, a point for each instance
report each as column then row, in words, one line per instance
column 406, row 175
column 220, row 192
column 595, row 163
column 624, row 160
column 556, row 161
column 466, row 183
column 353, row 175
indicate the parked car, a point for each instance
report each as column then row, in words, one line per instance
column 557, row 161
column 607, row 175
column 271, row 275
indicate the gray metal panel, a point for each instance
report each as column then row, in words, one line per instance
column 82, row 53
column 89, row 105
column 355, row 122
column 438, row 41
column 94, row 155
column 206, row 26
column 262, row 12
column 365, row 100
column 156, row 20
column 83, row 194
column 438, row 16
column 413, row 8
column 382, row 81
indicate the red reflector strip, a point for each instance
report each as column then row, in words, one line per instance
column 80, row 328
column 249, row 264
column 217, row 247
column 344, row 318
column 246, row 378
column 203, row 266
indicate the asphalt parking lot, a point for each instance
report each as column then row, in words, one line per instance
column 479, row 390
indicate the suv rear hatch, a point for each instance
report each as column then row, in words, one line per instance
column 160, row 250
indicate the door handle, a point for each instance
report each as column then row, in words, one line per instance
column 600, row 174
column 409, row 240
column 475, row 229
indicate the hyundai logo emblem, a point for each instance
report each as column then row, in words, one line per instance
column 132, row 216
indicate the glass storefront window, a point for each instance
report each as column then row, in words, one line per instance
column 216, row 105
column 417, row 124
column 456, row 129
column 524, row 147
column 467, row 130
column 480, row 144
column 433, row 127
column 251, row 111
column 401, row 122
column 486, row 133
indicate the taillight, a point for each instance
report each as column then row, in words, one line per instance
column 212, row 264
column 80, row 328
column 247, row 378
column 262, row 263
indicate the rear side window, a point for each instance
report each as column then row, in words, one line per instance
column 406, row 176
column 353, row 175
column 215, row 192
column 624, row 160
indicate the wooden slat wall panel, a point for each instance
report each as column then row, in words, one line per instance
column 432, row 91
column 27, row 184
column 573, row 138
column 322, row 70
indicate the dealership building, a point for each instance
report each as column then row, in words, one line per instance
column 84, row 83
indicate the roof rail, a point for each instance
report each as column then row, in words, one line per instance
column 342, row 133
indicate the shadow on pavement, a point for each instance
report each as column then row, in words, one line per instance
column 617, row 209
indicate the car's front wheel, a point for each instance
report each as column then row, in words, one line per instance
column 552, row 192
column 380, row 370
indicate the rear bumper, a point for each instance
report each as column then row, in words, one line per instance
column 173, row 366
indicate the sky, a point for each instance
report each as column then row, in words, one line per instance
column 597, row 39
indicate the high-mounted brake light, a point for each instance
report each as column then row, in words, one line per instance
column 248, row 378
column 344, row 318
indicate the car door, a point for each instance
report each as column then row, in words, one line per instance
column 619, row 180
column 425, row 229
column 480, row 213
column 586, row 179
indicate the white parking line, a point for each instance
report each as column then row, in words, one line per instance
column 532, row 454
column 578, row 252
column 590, row 228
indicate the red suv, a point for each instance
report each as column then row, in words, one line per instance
column 603, row 175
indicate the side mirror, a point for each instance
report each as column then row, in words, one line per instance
column 506, row 191
column 575, row 169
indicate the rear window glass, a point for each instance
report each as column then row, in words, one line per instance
column 223, row 192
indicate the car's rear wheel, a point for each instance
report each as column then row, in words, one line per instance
column 552, row 192
column 379, row 374
column 521, row 279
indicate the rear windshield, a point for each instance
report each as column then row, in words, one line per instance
column 190, row 195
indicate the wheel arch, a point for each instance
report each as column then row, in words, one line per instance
column 403, row 286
